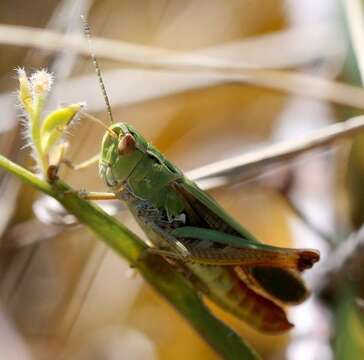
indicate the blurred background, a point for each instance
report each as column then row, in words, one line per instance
column 63, row 294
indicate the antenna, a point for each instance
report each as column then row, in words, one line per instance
column 87, row 32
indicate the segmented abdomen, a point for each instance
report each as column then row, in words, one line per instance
column 224, row 287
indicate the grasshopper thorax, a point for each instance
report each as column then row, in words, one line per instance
column 121, row 150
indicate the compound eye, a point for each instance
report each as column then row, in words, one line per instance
column 126, row 144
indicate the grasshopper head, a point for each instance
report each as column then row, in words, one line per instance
column 122, row 148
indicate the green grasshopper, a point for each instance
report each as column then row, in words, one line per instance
column 193, row 232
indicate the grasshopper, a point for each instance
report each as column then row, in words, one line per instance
column 188, row 228
column 191, row 230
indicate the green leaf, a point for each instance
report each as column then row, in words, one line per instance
column 54, row 125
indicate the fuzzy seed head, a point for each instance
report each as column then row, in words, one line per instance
column 41, row 82
column 25, row 91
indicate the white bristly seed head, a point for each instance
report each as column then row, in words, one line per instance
column 41, row 82
column 25, row 91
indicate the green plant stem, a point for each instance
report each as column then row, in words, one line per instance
column 35, row 131
column 157, row 272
